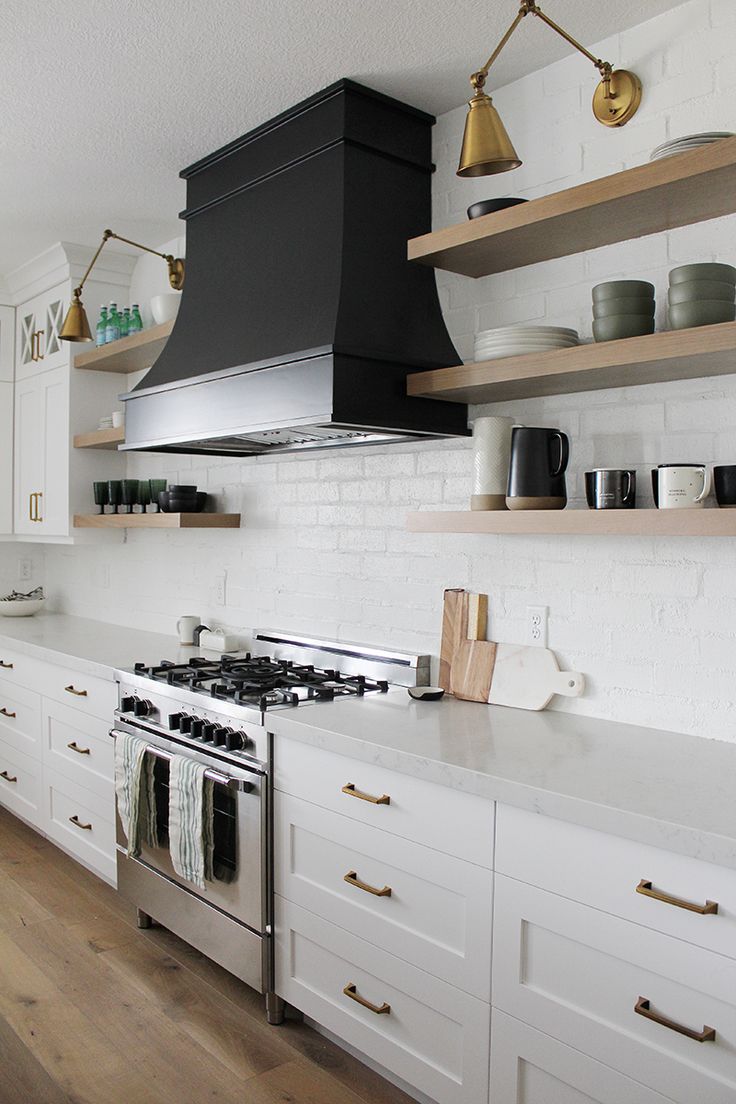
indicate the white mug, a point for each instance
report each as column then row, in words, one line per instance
column 118, row 419
column 682, row 486
column 185, row 627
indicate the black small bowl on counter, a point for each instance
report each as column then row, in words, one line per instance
column 488, row 206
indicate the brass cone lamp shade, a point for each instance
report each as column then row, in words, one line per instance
column 486, row 146
column 76, row 325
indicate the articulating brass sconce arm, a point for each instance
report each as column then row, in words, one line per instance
column 176, row 265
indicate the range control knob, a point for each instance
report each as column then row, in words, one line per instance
column 142, row 708
column 221, row 735
column 127, row 704
column 174, row 719
column 235, row 741
column 208, row 731
column 197, row 726
column 185, row 723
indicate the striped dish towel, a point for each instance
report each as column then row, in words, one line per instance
column 134, row 789
column 191, row 832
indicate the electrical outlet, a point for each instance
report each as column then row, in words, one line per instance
column 25, row 569
column 536, row 621
column 220, row 589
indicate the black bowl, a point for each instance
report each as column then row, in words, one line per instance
column 182, row 505
column 488, row 206
column 181, row 490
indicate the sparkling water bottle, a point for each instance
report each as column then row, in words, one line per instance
column 112, row 330
column 136, row 323
column 125, row 322
column 102, row 327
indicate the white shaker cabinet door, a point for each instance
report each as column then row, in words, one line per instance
column 38, row 347
column 42, row 454
column 6, row 458
column 7, row 344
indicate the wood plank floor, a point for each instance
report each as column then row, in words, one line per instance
column 94, row 1011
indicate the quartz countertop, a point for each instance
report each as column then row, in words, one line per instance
column 93, row 647
column 661, row 788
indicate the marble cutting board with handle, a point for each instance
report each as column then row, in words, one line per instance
column 516, row 675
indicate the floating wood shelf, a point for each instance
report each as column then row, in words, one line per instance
column 100, row 439
column 676, row 191
column 129, row 354
column 157, row 521
column 589, row 523
column 675, row 354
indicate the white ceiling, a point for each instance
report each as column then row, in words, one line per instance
column 105, row 101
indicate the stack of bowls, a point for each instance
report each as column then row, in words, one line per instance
column 508, row 341
column 182, row 499
column 701, row 295
column 623, row 308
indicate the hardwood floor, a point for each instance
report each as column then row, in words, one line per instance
column 94, row 1011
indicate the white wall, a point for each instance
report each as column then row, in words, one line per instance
column 324, row 548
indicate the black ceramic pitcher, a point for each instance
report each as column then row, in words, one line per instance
column 537, row 470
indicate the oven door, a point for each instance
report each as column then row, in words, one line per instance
column 240, row 831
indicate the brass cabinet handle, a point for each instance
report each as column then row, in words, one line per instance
column 5, row 713
column 38, row 517
column 352, row 879
column 78, row 824
column 77, row 693
column 351, row 791
column 643, row 1008
column 7, row 777
column 7, row 666
column 30, row 507
column 34, row 336
column 39, row 354
column 74, row 746
column 351, row 990
column 710, row 908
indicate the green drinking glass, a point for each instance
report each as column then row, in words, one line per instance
column 157, row 486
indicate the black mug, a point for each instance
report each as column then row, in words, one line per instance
column 610, row 489
column 724, row 479
column 539, row 458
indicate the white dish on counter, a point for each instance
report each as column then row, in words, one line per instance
column 23, row 608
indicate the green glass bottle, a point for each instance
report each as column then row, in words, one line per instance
column 112, row 331
column 125, row 322
column 135, row 319
column 101, row 337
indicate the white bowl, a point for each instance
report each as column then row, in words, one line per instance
column 165, row 308
column 21, row 609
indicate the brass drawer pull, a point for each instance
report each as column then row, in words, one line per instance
column 350, row 990
column 7, row 666
column 7, row 777
column 352, row 879
column 351, row 791
column 74, row 746
column 77, row 693
column 710, row 908
column 78, row 824
column 643, row 1008
column 5, row 713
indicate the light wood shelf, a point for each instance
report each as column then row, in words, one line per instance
column 157, row 521
column 128, row 354
column 570, row 522
column 661, row 195
column 100, row 439
column 672, row 355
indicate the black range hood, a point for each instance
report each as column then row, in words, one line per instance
column 301, row 316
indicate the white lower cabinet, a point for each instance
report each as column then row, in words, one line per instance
column 528, row 1067
column 429, row 1033
column 81, row 822
column 20, row 785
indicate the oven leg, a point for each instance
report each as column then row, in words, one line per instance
column 274, row 1008
column 143, row 919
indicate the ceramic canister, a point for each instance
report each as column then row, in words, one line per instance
column 491, row 453
column 539, row 458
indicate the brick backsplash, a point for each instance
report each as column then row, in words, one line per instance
column 323, row 547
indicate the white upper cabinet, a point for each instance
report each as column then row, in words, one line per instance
column 7, row 343
column 42, row 454
column 39, row 348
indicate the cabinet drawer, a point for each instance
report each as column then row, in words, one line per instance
column 604, row 871
column 17, row 669
column 578, row 975
column 447, row 820
column 80, row 748
column 437, row 913
column 89, row 694
column 20, row 785
column 20, row 719
column 528, row 1067
column 68, row 808
column 433, row 1036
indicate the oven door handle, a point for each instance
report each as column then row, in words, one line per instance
column 212, row 775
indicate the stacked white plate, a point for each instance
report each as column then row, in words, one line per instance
column 688, row 143
column 508, row 341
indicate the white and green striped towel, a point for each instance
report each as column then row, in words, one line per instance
column 191, row 832
column 134, row 790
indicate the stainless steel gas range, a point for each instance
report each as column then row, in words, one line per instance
column 216, row 712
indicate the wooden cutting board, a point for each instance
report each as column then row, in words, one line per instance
column 454, row 632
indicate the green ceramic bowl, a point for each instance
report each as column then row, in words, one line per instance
column 708, row 312
column 607, row 308
column 709, row 271
column 622, row 325
column 623, row 289
column 696, row 291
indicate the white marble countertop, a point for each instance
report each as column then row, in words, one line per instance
column 661, row 788
column 93, row 647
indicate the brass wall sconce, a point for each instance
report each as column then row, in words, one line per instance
column 76, row 323
column 487, row 148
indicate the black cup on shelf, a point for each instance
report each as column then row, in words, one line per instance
column 610, row 489
column 102, row 494
column 724, row 479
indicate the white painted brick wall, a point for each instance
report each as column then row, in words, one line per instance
column 324, row 548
